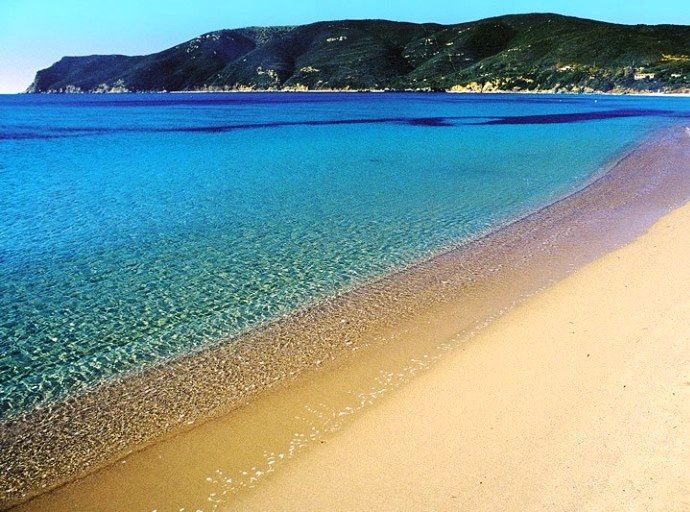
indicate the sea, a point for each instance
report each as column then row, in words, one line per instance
column 137, row 228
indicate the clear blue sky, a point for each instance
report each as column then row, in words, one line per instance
column 36, row 33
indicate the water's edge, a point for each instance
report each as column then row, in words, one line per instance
column 59, row 442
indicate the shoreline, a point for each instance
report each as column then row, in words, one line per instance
column 523, row 258
column 577, row 399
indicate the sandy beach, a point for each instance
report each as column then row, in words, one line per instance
column 579, row 399
column 575, row 399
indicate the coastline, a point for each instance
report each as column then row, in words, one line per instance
column 631, row 92
column 578, row 399
column 102, row 427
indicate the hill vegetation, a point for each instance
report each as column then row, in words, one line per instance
column 531, row 52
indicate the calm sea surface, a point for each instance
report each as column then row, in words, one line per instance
column 136, row 228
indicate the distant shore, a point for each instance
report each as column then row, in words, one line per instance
column 383, row 335
column 683, row 93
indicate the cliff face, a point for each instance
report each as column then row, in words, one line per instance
column 520, row 52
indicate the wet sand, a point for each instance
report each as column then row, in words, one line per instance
column 357, row 348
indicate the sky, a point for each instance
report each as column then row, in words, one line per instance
column 36, row 33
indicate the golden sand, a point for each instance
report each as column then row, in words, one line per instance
column 578, row 399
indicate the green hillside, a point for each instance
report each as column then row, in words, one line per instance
column 511, row 53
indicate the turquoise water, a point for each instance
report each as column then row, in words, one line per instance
column 135, row 228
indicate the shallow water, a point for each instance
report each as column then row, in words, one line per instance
column 136, row 228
